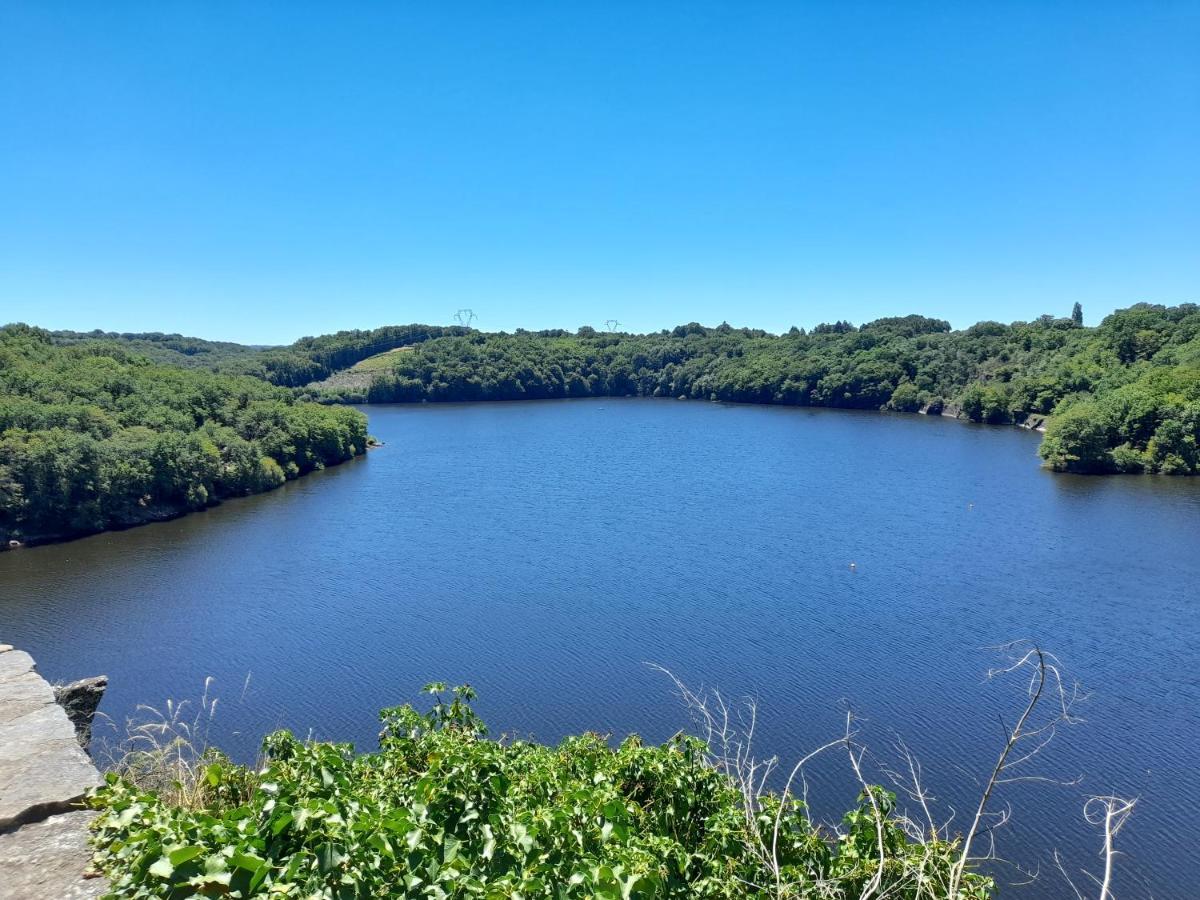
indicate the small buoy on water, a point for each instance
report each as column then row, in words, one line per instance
column 854, row 565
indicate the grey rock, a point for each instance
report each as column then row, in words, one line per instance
column 48, row 860
column 1035, row 422
column 80, row 699
column 43, row 770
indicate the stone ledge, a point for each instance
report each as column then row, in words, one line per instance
column 43, row 770
column 44, row 773
column 48, row 860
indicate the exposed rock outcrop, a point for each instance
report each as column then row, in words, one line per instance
column 44, row 774
column 80, row 699
column 1035, row 422
column 941, row 407
column 951, row 410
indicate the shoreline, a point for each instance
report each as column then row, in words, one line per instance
column 157, row 514
column 1035, row 422
column 1029, row 421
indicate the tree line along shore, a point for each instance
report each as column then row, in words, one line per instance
column 101, row 430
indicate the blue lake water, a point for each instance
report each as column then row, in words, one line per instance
column 545, row 552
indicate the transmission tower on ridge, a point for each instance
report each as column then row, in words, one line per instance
column 465, row 317
column 612, row 325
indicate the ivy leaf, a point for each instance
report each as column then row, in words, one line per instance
column 329, row 857
column 162, row 867
column 184, row 854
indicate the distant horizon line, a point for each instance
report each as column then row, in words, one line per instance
column 619, row 329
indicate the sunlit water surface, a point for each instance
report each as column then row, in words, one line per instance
column 546, row 552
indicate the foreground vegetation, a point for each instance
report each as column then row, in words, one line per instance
column 442, row 811
column 1122, row 397
column 94, row 435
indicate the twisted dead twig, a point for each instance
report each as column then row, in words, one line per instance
column 876, row 813
column 1110, row 812
column 912, row 786
column 1028, row 737
column 1050, row 702
column 798, row 769
column 729, row 739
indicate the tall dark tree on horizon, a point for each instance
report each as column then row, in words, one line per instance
column 1077, row 314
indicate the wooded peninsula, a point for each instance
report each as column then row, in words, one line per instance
column 101, row 430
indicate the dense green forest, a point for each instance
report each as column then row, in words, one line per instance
column 95, row 435
column 308, row 359
column 1123, row 397
column 173, row 349
column 98, row 430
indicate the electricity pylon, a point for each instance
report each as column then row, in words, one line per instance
column 465, row 317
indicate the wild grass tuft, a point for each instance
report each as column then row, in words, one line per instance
column 166, row 751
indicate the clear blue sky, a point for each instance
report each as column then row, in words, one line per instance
column 259, row 171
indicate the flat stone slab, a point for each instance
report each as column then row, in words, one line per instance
column 43, row 770
column 47, row 860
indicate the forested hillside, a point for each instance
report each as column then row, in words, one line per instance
column 1124, row 396
column 174, row 349
column 95, row 436
column 314, row 358
column 295, row 365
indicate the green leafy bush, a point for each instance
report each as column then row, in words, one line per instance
column 443, row 811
